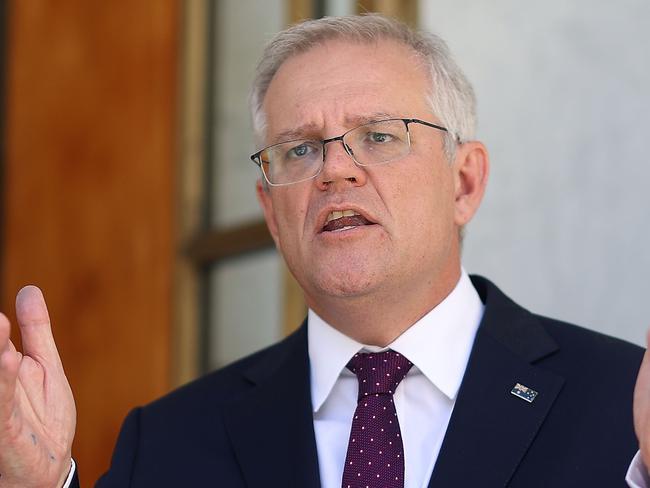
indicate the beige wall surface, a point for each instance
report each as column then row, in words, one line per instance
column 563, row 106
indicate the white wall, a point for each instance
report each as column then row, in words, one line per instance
column 564, row 108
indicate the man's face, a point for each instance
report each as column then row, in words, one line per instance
column 409, row 206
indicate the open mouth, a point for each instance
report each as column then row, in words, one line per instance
column 340, row 220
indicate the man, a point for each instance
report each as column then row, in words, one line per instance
column 406, row 373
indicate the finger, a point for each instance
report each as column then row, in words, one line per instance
column 5, row 329
column 642, row 393
column 8, row 367
column 34, row 322
column 6, row 346
column 643, row 378
column 642, row 405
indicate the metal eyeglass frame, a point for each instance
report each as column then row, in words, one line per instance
column 256, row 158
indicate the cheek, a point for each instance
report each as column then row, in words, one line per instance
column 290, row 216
column 425, row 200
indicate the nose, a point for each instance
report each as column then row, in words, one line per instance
column 339, row 169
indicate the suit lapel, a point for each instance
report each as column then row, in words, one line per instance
column 271, row 426
column 490, row 428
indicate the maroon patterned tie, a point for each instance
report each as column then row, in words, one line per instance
column 375, row 457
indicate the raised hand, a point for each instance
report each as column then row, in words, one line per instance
column 37, row 411
column 642, row 407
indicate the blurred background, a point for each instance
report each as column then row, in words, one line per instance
column 127, row 192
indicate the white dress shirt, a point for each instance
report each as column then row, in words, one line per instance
column 438, row 345
column 637, row 474
column 68, row 480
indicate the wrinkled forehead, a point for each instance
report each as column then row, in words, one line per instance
column 338, row 82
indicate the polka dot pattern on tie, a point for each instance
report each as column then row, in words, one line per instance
column 375, row 457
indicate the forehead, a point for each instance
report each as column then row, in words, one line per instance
column 333, row 85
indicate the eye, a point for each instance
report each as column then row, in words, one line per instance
column 379, row 137
column 301, row 151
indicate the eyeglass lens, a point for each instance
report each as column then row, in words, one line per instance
column 369, row 144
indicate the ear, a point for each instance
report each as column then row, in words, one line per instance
column 471, row 169
column 265, row 201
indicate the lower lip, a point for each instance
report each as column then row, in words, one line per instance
column 346, row 228
column 348, row 232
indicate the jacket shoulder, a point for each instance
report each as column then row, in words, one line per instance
column 182, row 438
column 226, row 384
column 539, row 338
column 592, row 359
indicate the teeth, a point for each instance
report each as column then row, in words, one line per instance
column 338, row 214
column 334, row 215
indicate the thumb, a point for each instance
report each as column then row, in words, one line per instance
column 34, row 322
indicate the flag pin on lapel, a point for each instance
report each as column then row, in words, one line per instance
column 524, row 392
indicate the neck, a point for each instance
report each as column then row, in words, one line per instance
column 381, row 317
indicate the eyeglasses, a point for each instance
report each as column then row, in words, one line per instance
column 369, row 144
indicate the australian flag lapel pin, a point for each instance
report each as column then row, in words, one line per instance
column 523, row 392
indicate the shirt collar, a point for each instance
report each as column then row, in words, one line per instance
column 438, row 344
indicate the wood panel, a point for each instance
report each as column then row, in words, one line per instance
column 405, row 10
column 191, row 186
column 89, row 196
column 217, row 244
column 298, row 10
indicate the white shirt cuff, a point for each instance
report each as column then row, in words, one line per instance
column 68, row 480
column 637, row 474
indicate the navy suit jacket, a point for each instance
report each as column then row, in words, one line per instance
column 250, row 424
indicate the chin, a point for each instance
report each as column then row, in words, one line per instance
column 347, row 284
column 344, row 274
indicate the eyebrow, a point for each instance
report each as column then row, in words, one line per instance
column 309, row 131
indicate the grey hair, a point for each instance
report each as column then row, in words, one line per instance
column 451, row 97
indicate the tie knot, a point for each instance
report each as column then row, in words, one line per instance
column 379, row 372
